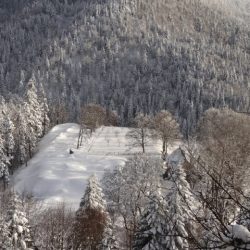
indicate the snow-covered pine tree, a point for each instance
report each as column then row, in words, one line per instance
column 93, row 226
column 4, row 164
column 93, row 196
column 44, row 109
column 5, row 239
column 109, row 241
column 8, row 129
column 180, row 203
column 127, row 189
column 31, row 135
column 152, row 226
column 21, row 137
column 34, row 115
column 8, row 134
column 17, row 224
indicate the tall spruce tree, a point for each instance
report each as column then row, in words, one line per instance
column 93, row 227
column 22, row 137
column 180, row 202
column 4, row 164
column 17, row 224
column 152, row 226
column 44, row 109
column 33, row 113
column 8, row 129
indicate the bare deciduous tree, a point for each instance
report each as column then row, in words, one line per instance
column 220, row 161
column 127, row 188
column 225, row 144
column 53, row 227
column 58, row 114
column 93, row 116
column 140, row 135
column 167, row 129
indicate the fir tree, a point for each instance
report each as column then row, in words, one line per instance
column 34, row 113
column 5, row 239
column 31, row 135
column 180, row 203
column 93, row 227
column 4, row 163
column 93, row 196
column 8, row 137
column 152, row 226
column 17, row 224
column 44, row 109
column 21, row 138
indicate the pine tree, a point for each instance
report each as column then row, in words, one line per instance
column 93, row 196
column 8, row 134
column 126, row 187
column 31, row 135
column 16, row 223
column 152, row 226
column 21, row 137
column 5, row 239
column 4, row 163
column 8, row 137
column 44, row 109
column 34, row 113
column 109, row 241
column 180, row 203
column 93, row 227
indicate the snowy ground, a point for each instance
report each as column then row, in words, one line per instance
column 54, row 175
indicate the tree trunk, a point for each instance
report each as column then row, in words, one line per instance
column 142, row 141
column 163, row 146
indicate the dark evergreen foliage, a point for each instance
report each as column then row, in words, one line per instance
column 128, row 56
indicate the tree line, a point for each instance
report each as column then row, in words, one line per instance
column 23, row 121
column 127, row 56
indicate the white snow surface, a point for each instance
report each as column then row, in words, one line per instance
column 239, row 232
column 54, row 175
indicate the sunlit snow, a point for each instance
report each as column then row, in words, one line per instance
column 54, row 175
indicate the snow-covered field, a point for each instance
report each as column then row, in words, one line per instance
column 54, row 175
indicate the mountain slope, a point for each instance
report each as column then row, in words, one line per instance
column 129, row 56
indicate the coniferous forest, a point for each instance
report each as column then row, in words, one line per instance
column 124, row 124
column 128, row 56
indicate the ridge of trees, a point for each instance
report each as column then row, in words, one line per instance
column 127, row 56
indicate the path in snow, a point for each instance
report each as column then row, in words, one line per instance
column 54, row 175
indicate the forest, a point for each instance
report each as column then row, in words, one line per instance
column 131, row 57
column 172, row 72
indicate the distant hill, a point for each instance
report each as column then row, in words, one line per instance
column 129, row 56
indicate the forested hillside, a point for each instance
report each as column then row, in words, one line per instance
column 129, row 56
column 140, row 107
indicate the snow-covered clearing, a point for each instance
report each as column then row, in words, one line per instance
column 54, row 175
